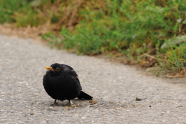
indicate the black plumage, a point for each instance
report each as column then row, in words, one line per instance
column 61, row 83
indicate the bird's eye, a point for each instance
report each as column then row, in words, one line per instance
column 57, row 69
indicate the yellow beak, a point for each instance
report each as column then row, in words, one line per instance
column 49, row 68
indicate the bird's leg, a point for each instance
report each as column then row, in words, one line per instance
column 55, row 103
column 68, row 104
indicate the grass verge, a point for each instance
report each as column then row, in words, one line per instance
column 150, row 33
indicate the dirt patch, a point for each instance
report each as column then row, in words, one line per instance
column 24, row 32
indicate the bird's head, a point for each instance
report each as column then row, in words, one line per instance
column 55, row 69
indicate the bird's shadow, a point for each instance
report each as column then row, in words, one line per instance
column 78, row 104
column 74, row 103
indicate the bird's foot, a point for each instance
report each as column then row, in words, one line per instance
column 67, row 105
column 54, row 104
column 73, row 106
column 70, row 103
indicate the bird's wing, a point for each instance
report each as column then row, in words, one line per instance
column 74, row 75
column 71, row 71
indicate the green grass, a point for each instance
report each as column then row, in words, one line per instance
column 131, row 28
column 9, row 7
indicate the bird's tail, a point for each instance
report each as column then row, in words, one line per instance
column 85, row 96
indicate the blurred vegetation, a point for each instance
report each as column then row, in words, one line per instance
column 147, row 32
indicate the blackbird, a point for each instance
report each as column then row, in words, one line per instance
column 61, row 83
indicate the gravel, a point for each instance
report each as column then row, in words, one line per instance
column 123, row 94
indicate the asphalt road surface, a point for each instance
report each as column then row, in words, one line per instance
column 114, row 86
